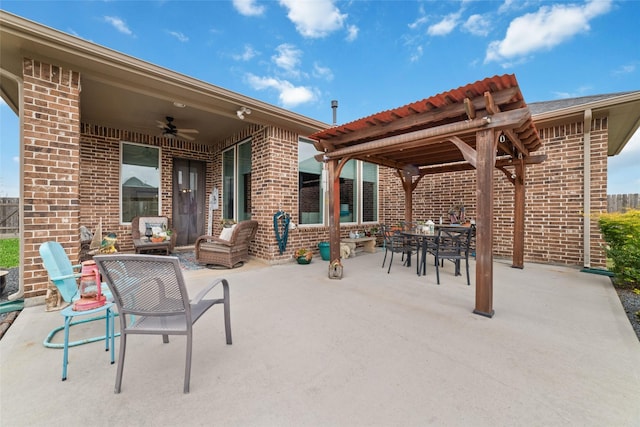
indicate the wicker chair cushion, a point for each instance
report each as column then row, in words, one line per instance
column 226, row 232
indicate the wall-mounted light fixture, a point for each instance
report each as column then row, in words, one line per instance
column 242, row 111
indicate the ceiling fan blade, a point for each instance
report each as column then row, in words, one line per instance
column 188, row 130
column 188, row 137
column 160, row 124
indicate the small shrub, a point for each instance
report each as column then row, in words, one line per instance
column 621, row 231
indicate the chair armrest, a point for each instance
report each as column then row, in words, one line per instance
column 206, row 290
column 212, row 239
column 67, row 276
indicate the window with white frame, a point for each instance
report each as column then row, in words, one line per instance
column 311, row 188
column 358, row 189
column 236, row 182
column 139, row 181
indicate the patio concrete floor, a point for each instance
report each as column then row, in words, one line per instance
column 372, row 349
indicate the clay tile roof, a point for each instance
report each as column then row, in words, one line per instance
column 437, row 111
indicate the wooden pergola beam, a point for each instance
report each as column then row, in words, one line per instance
column 451, row 111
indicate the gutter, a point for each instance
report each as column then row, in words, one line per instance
column 587, row 187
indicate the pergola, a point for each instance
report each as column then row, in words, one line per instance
column 484, row 126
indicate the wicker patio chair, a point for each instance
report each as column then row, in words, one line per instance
column 151, row 296
column 157, row 223
column 228, row 253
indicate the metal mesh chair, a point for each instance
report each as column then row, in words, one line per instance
column 453, row 244
column 394, row 243
column 151, row 289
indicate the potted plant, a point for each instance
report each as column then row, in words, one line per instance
column 303, row 256
column 227, row 222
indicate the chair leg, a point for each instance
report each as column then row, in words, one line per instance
column 187, row 369
column 385, row 257
column 437, row 270
column 113, row 335
column 390, row 262
column 165, row 339
column 227, row 311
column 123, row 348
column 467, row 263
column 65, row 354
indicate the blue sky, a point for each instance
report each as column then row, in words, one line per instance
column 369, row 55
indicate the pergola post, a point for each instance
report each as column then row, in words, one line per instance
column 486, row 151
column 518, row 215
column 333, row 180
column 408, row 198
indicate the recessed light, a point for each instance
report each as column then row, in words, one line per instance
column 179, row 104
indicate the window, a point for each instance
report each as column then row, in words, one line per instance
column 369, row 192
column 139, row 181
column 358, row 189
column 311, row 191
column 236, row 182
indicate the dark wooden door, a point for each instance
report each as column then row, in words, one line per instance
column 188, row 200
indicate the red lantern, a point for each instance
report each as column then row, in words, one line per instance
column 90, row 288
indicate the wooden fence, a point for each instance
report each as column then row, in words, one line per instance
column 9, row 215
column 622, row 202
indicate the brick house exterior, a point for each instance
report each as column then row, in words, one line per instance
column 71, row 178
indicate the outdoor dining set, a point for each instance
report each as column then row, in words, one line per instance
column 453, row 242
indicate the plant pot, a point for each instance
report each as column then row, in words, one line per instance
column 324, row 250
column 303, row 260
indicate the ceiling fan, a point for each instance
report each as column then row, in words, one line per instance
column 170, row 130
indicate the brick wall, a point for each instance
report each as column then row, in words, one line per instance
column 100, row 175
column 554, row 203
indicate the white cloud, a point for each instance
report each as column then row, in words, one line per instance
column 415, row 56
column 352, row 33
column 545, row 29
column 418, row 22
column 180, row 36
column 289, row 95
column 445, row 26
column 118, row 24
column 314, row 18
column 248, row 7
column 288, row 58
column 322, row 72
column 624, row 69
column 247, row 54
column 477, row 25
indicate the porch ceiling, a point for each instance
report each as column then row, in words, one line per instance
column 422, row 135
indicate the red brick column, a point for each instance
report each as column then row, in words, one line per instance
column 51, row 166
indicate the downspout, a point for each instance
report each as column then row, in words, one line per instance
column 587, row 187
column 20, row 292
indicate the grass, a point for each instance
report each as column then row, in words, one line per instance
column 9, row 253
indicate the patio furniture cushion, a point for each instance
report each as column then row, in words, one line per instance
column 226, row 232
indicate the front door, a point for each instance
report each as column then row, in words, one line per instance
column 188, row 200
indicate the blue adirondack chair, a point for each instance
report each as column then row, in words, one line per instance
column 65, row 276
